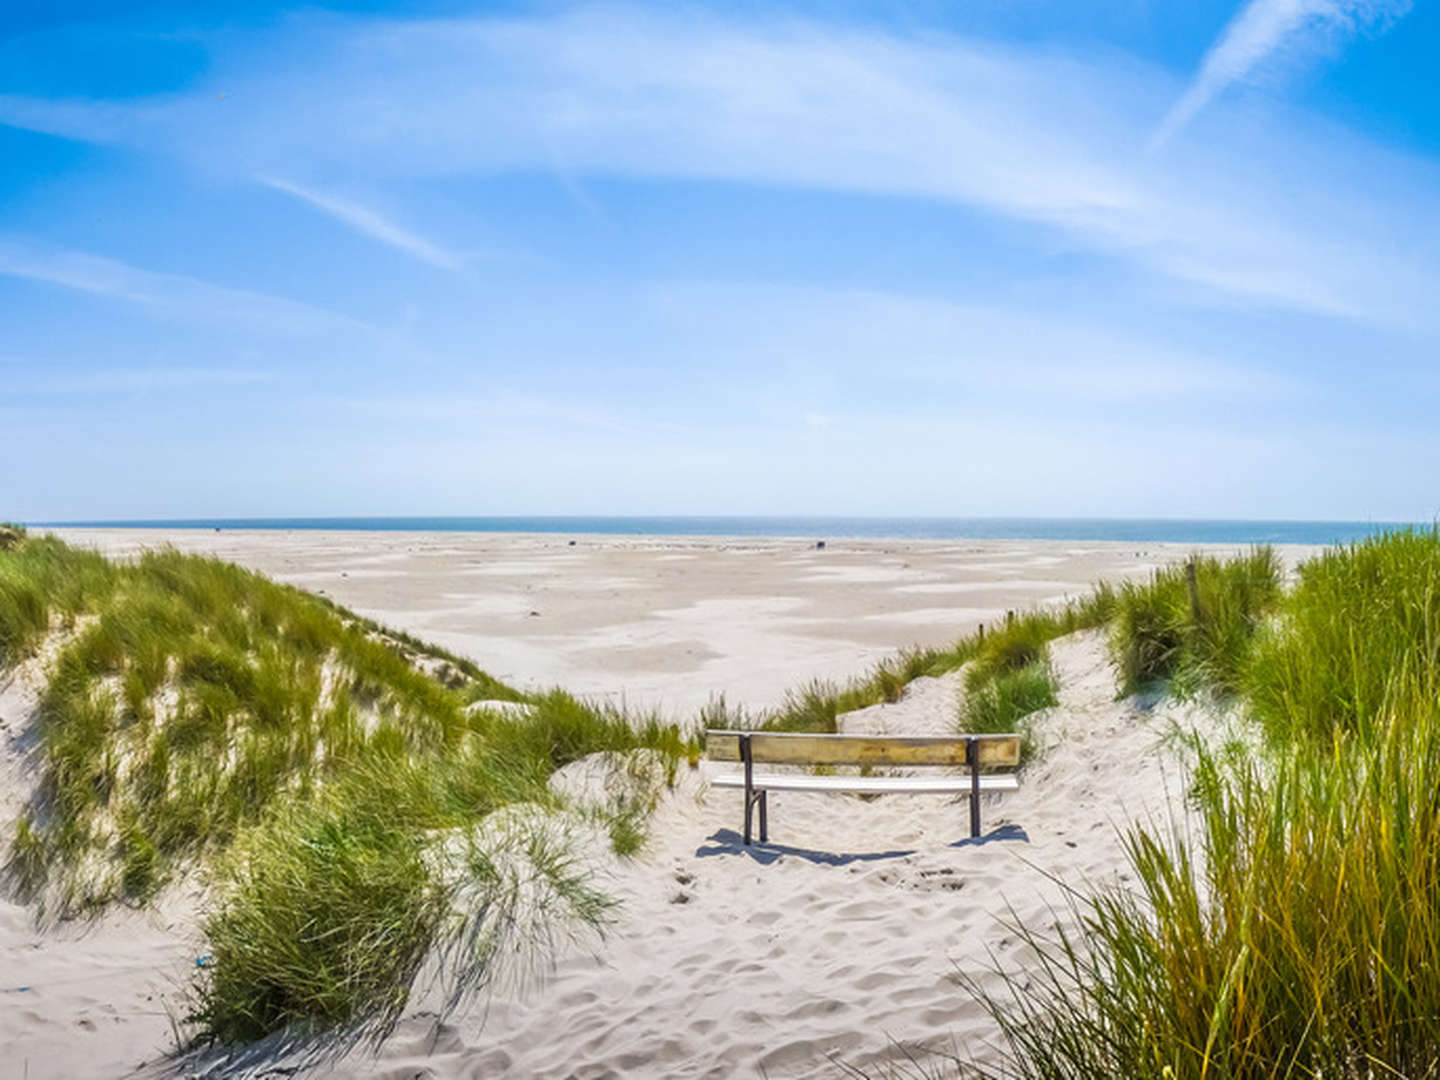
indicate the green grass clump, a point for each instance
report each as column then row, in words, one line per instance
column 1161, row 630
column 999, row 704
column 329, row 912
column 1017, row 643
column 1359, row 615
column 194, row 695
column 1298, row 934
column 1010, row 676
column 322, row 920
column 627, row 836
column 1020, row 643
column 1292, row 928
column 44, row 579
column 812, row 708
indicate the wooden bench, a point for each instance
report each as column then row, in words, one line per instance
column 971, row 752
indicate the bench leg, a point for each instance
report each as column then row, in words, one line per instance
column 751, row 801
column 972, row 753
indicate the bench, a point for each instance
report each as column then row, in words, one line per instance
column 971, row 752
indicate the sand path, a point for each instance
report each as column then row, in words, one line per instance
column 834, row 942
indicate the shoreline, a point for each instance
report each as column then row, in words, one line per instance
column 1249, row 531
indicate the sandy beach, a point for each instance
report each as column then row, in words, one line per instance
column 667, row 622
column 837, row 941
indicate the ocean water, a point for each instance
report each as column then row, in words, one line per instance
column 1172, row 530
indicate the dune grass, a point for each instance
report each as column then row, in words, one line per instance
column 192, row 694
column 1359, row 617
column 43, row 580
column 324, row 768
column 1292, row 929
column 1297, row 933
column 1194, row 624
column 1017, row 643
column 1000, row 703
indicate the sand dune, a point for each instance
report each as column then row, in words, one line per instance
column 839, row 938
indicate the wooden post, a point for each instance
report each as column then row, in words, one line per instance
column 980, row 634
column 1193, row 584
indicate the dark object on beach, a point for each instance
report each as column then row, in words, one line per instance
column 819, row 545
column 534, row 613
column 217, row 528
column 572, row 543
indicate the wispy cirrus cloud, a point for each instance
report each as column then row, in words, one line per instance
column 172, row 295
column 134, row 380
column 1264, row 28
column 370, row 223
column 1035, row 138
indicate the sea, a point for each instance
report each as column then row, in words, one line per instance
column 1157, row 530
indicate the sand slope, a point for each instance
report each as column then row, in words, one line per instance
column 80, row 998
column 839, row 938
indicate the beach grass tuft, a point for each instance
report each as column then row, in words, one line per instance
column 1193, row 624
column 1000, row 703
column 1018, row 643
column 1290, row 926
column 1359, row 617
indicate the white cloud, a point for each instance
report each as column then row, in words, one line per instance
column 1261, row 30
column 1271, row 218
column 134, row 380
column 172, row 295
column 367, row 221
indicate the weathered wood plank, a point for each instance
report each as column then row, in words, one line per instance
column 786, row 748
column 871, row 785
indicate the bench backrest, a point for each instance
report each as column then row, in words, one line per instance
column 790, row 748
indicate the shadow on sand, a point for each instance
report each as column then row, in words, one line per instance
column 730, row 842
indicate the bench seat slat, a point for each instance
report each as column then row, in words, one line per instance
column 799, row 748
column 870, row 785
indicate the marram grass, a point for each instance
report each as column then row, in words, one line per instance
column 1197, row 636
column 1019, row 642
column 330, row 773
column 1291, row 926
column 1296, row 933
column 1359, row 617
column 1002, row 701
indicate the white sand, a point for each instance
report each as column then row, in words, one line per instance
column 667, row 622
column 837, row 938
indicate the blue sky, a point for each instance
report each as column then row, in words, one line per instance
column 1091, row 257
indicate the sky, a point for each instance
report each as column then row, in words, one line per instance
column 1109, row 258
